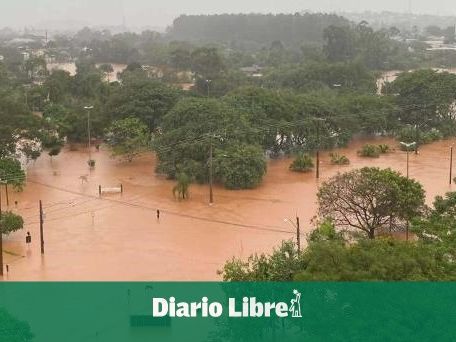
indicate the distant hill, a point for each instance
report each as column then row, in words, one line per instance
column 290, row 29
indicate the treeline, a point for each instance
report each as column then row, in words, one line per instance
column 259, row 29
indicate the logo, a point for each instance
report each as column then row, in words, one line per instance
column 247, row 307
column 295, row 307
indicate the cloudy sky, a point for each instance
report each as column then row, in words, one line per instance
column 18, row 13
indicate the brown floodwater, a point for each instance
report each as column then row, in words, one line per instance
column 118, row 237
column 71, row 68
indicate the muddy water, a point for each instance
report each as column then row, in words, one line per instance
column 391, row 75
column 118, row 237
column 71, row 68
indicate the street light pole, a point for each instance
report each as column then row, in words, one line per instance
column 407, row 148
column 207, row 84
column 88, row 108
column 408, row 158
column 451, row 165
column 41, row 228
column 297, row 226
column 211, row 194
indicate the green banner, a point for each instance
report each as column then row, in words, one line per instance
column 47, row 312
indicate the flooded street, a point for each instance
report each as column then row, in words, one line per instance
column 118, row 237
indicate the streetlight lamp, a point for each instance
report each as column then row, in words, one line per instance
column 407, row 148
column 207, row 84
column 298, row 231
column 88, row 108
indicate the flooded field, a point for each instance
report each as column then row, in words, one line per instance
column 118, row 237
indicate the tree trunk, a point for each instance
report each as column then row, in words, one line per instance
column 372, row 233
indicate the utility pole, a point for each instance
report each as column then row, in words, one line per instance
column 41, row 228
column 211, row 194
column 408, row 158
column 7, row 195
column 318, row 151
column 298, row 231
column 451, row 165
column 298, row 234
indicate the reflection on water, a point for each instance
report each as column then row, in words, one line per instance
column 118, row 237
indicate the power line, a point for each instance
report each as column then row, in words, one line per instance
column 173, row 213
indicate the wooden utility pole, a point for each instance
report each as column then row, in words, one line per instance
column 211, row 194
column 408, row 160
column 6, row 192
column 298, row 234
column 41, row 228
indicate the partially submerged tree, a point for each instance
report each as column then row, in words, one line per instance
column 181, row 189
column 370, row 200
column 11, row 173
column 240, row 166
column 52, row 143
column 302, row 163
column 10, row 222
column 127, row 138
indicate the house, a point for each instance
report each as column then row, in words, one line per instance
column 253, row 71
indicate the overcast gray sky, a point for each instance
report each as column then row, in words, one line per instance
column 18, row 13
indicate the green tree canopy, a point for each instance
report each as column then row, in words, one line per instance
column 191, row 127
column 10, row 222
column 11, row 173
column 426, row 99
column 142, row 98
column 240, row 166
column 370, row 200
column 127, row 138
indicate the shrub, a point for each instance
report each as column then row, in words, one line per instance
column 421, row 137
column 337, row 159
column 370, row 151
column 384, row 148
column 431, row 136
column 302, row 163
